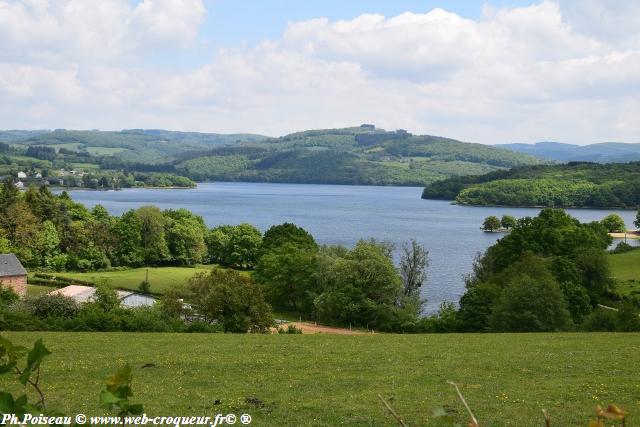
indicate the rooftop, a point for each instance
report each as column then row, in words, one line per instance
column 10, row 266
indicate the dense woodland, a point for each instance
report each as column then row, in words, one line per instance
column 614, row 185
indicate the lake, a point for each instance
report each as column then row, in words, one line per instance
column 342, row 214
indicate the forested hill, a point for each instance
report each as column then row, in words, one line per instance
column 576, row 184
column 358, row 155
column 606, row 152
column 133, row 145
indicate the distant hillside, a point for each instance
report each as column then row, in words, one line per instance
column 606, row 152
column 358, row 155
column 612, row 185
column 134, row 145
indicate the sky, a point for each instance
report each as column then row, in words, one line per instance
column 481, row 71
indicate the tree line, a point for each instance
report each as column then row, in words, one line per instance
column 289, row 271
column 575, row 184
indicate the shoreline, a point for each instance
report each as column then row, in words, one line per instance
column 631, row 234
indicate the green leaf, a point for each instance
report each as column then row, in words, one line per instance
column 25, row 375
column 7, row 367
column 6, row 402
column 121, row 378
column 107, row 398
column 136, row 409
column 37, row 354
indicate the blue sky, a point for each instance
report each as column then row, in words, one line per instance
column 488, row 72
column 230, row 23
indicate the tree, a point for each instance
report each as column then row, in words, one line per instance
column 235, row 246
column 232, row 299
column 47, row 243
column 476, row 307
column 128, row 229
column 614, row 223
column 8, row 194
column 578, row 301
column 507, row 222
column 278, row 235
column 288, row 273
column 106, row 297
column 491, row 223
column 185, row 237
column 154, row 242
column 637, row 221
column 413, row 271
column 531, row 304
column 360, row 286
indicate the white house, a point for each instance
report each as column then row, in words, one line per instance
column 82, row 294
column 21, row 175
column 19, row 185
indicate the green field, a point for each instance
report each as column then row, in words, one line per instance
column 626, row 269
column 38, row 289
column 85, row 166
column 161, row 278
column 105, row 151
column 335, row 380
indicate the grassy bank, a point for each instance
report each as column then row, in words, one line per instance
column 626, row 269
column 334, row 380
column 160, row 278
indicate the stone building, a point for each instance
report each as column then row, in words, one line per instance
column 12, row 274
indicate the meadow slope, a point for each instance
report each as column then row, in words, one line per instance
column 335, row 380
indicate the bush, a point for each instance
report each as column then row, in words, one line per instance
column 7, row 296
column 601, row 320
column 145, row 287
column 231, row 299
column 44, row 306
column 622, row 247
column 530, row 305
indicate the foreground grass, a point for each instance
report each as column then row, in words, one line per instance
column 161, row 278
column 335, row 380
column 626, row 269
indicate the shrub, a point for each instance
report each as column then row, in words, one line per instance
column 7, row 296
column 601, row 320
column 145, row 287
column 531, row 305
column 622, row 247
column 45, row 305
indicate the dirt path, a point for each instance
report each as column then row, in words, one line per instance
column 311, row 328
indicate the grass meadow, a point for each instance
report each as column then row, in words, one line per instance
column 335, row 380
column 160, row 278
column 626, row 270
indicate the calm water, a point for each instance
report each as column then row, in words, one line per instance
column 337, row 214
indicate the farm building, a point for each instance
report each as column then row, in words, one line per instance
column 12, row 274
column 82, row 294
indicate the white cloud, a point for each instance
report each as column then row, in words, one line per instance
column 79, row 30
column 518, row 74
